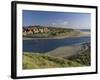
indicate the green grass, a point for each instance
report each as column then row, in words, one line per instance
column 36, row 61
column 82, row 58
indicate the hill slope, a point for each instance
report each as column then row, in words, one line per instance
column 84, row 58
column 33, row 61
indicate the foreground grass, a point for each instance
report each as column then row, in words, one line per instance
column 35, row 61
column 83, row 58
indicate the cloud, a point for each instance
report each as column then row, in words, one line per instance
column 64, row 23
column 60, row 23
column 53, row 24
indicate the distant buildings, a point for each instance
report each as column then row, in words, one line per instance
column 34, row 30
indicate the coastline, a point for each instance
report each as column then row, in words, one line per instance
column 82, row 34
column 66, row 51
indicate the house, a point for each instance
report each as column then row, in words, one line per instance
column 41, row 30
column 24, row 33
column 46, row 29
column 30, row 32
column 35, row 30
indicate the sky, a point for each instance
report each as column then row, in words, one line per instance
column 57, row 19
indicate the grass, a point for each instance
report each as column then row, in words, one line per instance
column 36, row 61
column 82, row 58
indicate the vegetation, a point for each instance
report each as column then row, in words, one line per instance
column 82, row 58
column 36, row 60
column 49, row 32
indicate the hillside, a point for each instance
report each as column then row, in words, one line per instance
column 33, row 61
column 82, row 58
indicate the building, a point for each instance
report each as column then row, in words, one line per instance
column 34, row 30
column 46, row 29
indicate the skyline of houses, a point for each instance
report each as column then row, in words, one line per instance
column 34, row 30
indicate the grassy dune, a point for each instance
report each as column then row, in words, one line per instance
column 35, row 61
column 83, row 58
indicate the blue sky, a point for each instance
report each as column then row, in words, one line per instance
column 57, row 19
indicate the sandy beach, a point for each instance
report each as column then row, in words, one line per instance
column 84, row 33
column 66, row 51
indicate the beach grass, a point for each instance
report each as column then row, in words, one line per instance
column 38, row 61
column 82, row 58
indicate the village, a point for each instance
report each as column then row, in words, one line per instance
column 38, row 31
column 30, row 30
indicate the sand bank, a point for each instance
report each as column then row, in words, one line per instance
column 66, row 51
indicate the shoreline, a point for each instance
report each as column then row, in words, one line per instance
column 82, row 34
column 66, row 51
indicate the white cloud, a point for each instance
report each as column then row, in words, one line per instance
column 64, row 23
column 60, row 23
column 53, row 24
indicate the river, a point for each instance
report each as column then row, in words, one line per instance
column 46, row 45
